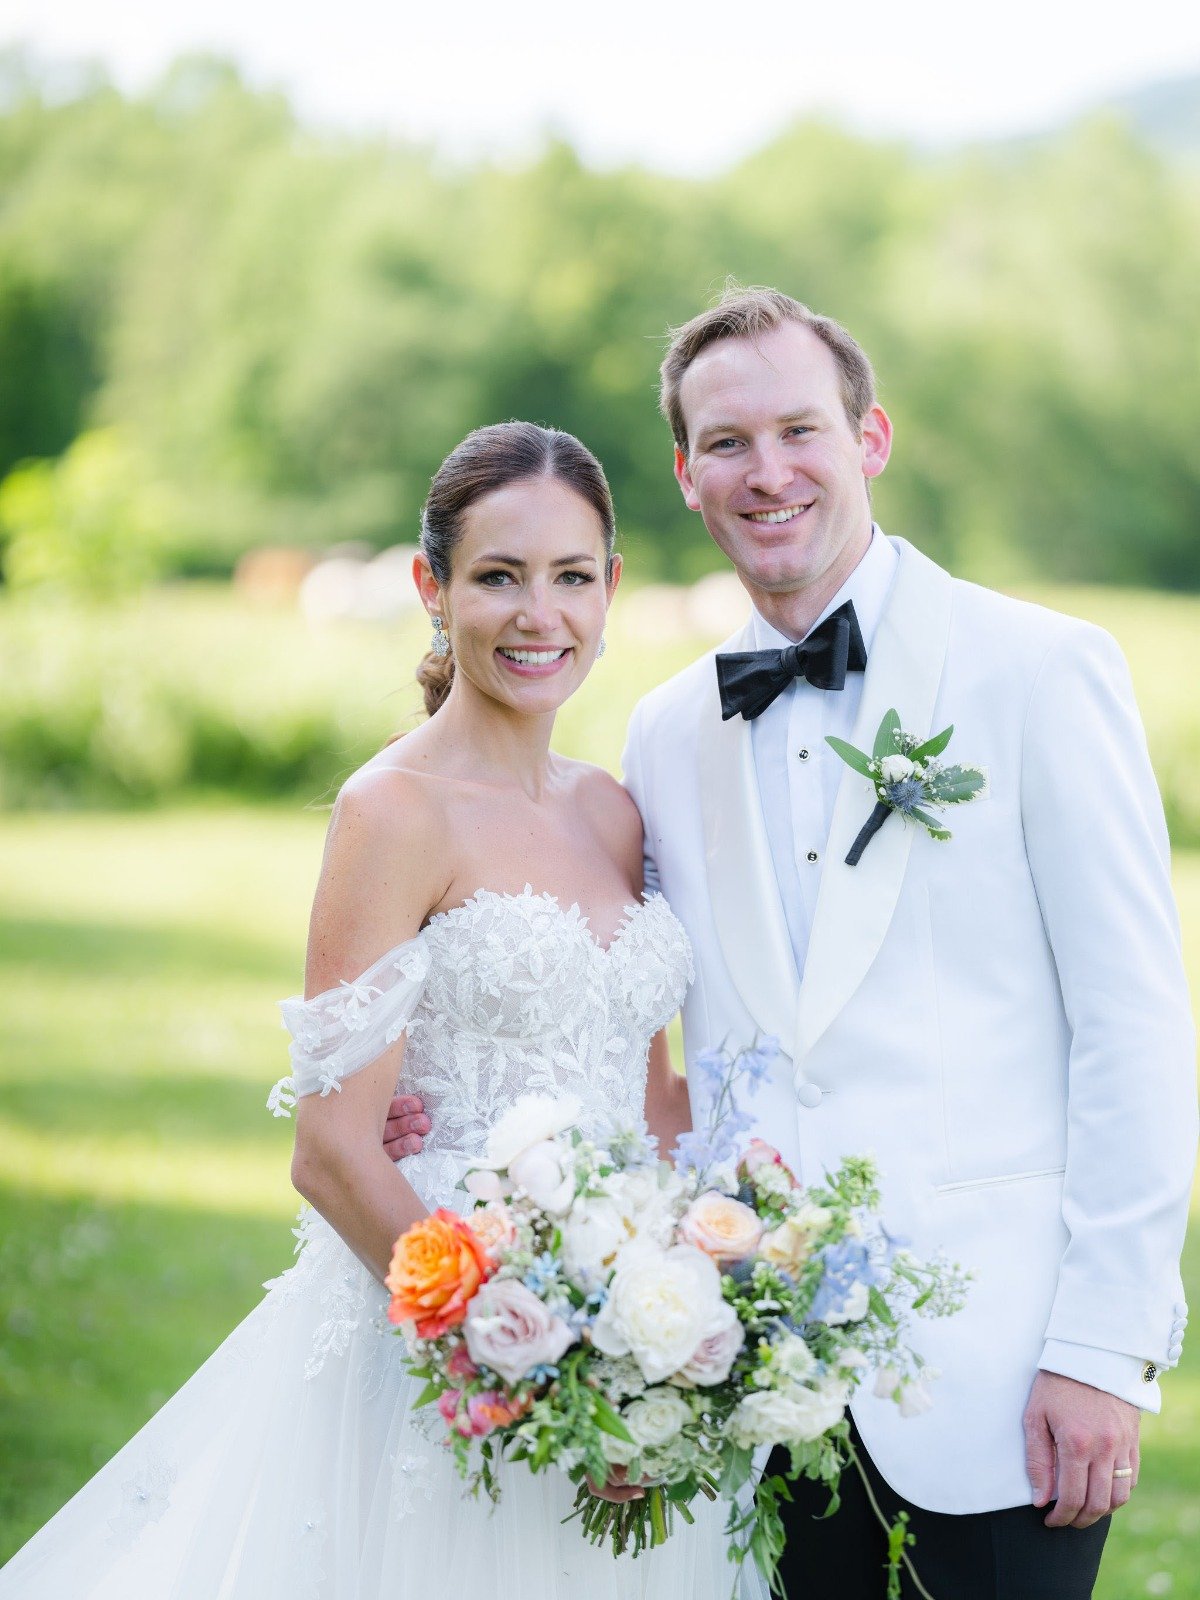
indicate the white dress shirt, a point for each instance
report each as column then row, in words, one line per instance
column 798, row 774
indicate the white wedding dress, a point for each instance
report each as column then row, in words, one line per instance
column 292, row 1465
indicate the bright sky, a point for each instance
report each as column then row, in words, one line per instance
column 686, row 89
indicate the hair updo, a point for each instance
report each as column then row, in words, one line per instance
column 489, row 459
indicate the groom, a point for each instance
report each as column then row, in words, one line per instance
column 1001, row 1018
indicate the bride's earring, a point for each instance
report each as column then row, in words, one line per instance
column 603, row 647
column 440, row 644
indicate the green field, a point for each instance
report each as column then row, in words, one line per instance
column 143, row 1188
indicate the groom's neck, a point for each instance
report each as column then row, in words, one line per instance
column 794, row 612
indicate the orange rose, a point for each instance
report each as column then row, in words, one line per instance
column 437, row 1266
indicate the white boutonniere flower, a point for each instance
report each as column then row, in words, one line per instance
column 907, row 777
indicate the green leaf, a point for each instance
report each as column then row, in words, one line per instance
column 853, row 757
column 885, row 739
column 954, row 785
column 934, row 827
column 428, row 1394
column 932, row 747
column 609, row 1421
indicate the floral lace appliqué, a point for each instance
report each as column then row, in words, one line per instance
column 144, row 1499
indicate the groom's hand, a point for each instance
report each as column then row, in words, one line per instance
column 1075, row 1436
column 406, row 1126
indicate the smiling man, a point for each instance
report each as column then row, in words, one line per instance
column 1001, row 1017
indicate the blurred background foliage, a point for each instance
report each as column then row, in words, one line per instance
column 280, row 332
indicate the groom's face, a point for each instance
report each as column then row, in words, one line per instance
column 774, row 464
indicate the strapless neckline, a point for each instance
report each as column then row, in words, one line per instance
column 570, row 915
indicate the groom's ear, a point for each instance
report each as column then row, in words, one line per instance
column 684, row 479
column 876, row 441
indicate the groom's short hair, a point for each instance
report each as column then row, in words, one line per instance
column 747, row 314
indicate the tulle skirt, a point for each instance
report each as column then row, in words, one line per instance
column 292, row 1466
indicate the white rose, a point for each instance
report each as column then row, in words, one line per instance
column 714, row 1355
column 656, row 1418
column 894, row 769
column 660, row 1304
column 781, row 1416
column 530, row 1120
column 545, row 1176
column 854, row 1307
column 617, row 1452
column 484, row 1184
column 591, row 1236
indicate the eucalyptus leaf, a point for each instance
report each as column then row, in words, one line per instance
column 858, row 759
column 934, row 746
column 885, row 739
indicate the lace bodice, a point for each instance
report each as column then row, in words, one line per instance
column 503, row 995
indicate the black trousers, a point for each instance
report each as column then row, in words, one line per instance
column 991, row 1555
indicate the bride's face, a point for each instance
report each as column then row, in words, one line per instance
column 528, row 593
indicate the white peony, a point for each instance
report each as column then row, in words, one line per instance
column 527, row 1121
column 547, row 1176
column 592, row 1235
column 648, row 1198
column 660, row 1305
column 783, row 1416
column 656, row 1418
column 894, row 769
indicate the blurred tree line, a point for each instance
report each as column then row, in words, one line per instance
column 220, row 328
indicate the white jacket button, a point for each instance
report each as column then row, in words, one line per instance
column 808, row 1095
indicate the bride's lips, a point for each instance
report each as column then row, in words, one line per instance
column 524, row 662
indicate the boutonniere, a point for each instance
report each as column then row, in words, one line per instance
column 908, row 778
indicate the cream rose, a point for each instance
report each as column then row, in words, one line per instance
column 660, row 1304
column 493, row 1226
column 656, row 1418
column 511, row 1331
column 527, row 1121
column 790, row 1244
column 894, row 769
column 545, row 1176
column 725, row 1229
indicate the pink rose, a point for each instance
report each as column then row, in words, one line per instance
column 460, row 1365
column 511, row 1331
column 491, row 1410
column 758, row 1153
column 447, row 1404
column 714, row 1355
column 725, row 1229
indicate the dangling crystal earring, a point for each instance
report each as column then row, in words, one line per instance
column 440, row 645
column 603, row 647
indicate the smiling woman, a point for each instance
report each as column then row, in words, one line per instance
column 504, row 493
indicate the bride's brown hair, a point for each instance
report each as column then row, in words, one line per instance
column 489, row 459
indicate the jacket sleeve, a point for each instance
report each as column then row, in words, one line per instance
column 634, row 777
column 1098, row 851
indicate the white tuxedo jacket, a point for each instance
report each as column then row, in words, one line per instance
column 1001, row 1019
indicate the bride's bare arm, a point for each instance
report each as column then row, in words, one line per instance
column 378, row 882
column 668, row 1112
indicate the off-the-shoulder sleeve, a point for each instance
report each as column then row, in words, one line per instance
column 338, row 1033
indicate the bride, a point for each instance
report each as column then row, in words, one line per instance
column 478, row 932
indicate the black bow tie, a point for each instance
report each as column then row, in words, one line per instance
column 750, row 679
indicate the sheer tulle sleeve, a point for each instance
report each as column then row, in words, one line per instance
column 338, row 1033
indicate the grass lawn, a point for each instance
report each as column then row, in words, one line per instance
column 143, row 1187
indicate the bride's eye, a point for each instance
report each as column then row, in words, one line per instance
column 494, row 580
column 574, row 579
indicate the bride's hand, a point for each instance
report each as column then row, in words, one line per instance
column 616, row 1489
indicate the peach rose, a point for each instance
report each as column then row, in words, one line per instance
column 790, row 1244
column 493, row 1226
column 437, row 1266
column 725, row 1229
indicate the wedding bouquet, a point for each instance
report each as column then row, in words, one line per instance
column 600, row 1309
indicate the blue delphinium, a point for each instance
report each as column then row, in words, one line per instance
column 847, row 1264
